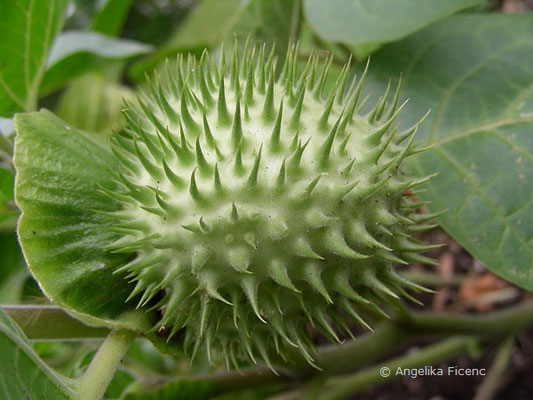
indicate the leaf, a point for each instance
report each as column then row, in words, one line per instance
column 474, row 73
column 60, row 174
column 205, row 25
column 364, row 22
column 110, row 16
column 214, row 21
column 23, row 375
column 59, row 171
column 27, row 29
column 72, row 42
column 93, row 103
column 75, row 52
column 269, row 21
column 203, row 28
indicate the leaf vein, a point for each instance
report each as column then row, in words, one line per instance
column 469, row 73
column 479, row 190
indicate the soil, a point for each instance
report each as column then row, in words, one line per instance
column 515, row 385
column 512, row 5
column 467, row 287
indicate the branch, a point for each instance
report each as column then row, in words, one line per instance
column 491, row 382
column 93, row 384
column 502, row 322
column 339, row 387
column 430, row 279
column 52, row 323
column 348, row 357
column 343, row 358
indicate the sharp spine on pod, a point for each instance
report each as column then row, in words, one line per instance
column 242, row 245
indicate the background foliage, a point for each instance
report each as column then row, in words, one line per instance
column 467, row 63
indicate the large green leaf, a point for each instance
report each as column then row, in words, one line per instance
column 59, row 170
column 27, row 30
column 23, row 375
column 475, row 73
column 75, row 52
column 363, row 22
column 203, row 28
column 214, row 21
column 205, row 25
column 269, row 21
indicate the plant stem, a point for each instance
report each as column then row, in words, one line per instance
column 388, row 336
column 332, row 359
column 426, row 278
column 93, row 384
column 35, row 322
column 501, row 322
column 416, row 324
column 489, row 386
column 51, row 323
column 339, row 387
column 365, row 349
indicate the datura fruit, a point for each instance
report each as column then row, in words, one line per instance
column 240, row 206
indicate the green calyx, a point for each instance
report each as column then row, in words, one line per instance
column 243, row 207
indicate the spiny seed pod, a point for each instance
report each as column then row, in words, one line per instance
column 256, row 205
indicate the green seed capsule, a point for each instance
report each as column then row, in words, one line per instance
column 259, row 205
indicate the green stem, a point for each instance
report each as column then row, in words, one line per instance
column 339, row 387
column 387, row 337
column 93, row 384
column 430, row 279
column 35, row 322
column 501, row 322
column 365, row 349
column 332, row 359
column 489, row 386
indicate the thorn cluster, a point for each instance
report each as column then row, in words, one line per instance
column 254, row 205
